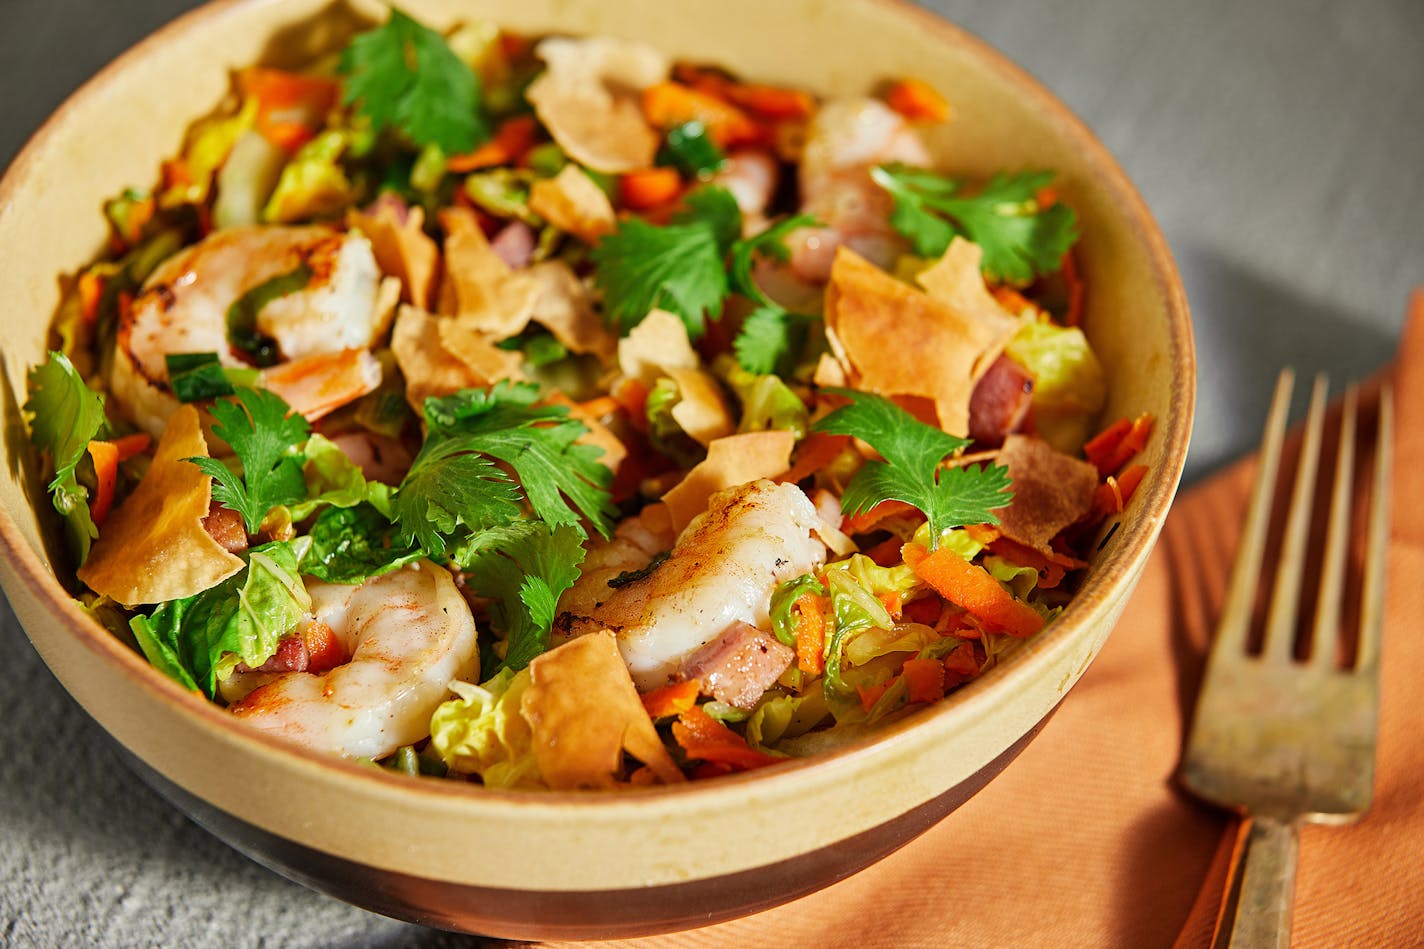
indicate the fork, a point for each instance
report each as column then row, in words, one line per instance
column 1280, row 739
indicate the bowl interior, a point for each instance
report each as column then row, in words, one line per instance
column 117, row 130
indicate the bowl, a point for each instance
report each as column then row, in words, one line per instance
column 523, row 865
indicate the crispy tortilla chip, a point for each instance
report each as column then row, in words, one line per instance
column 564, row 308
column 702, row 411
column 477, row 351
column 829, row 372
column 588, row 99
column 153, row 547
column 584, row 712
column 657, row 344
column 480, row 289
column 956, row 281
column 428, row 368
column 403, row 250
column 572, row 202
column 899, row 341
column 1051, row 490
column 730, row 461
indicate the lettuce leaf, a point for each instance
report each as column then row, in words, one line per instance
column 783, row 600
column 483, row 732
column 1069, row 386
column 781, row 717
column 65, row 414
column 334, row 479
column 200, row 639
column 354, row 544
column 767, row 402
column 313, row 184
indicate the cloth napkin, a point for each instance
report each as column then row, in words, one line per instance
column 1086, row 840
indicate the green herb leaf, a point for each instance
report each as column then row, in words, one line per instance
column 404, row 76
column 455, row 482
column 783, row 600
column 197, row 377
column 242, row 329
column 689, row 149
column 912, row 472
column 354, row 544
column 200, row 639
column 770, row 337
column 1020, row 238
column 65, row 414
column 263, row 432
column 678, row 268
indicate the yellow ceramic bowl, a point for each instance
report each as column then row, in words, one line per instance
column 544, row 865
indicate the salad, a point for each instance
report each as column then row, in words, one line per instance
column 543, row 413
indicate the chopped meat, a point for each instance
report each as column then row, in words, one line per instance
column 1000, row 403
column 224, row 525
column 738, row 666
column 514, row 244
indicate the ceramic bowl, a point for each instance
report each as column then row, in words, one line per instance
column 572, row 864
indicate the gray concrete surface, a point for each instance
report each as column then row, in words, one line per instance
column 1280, row 144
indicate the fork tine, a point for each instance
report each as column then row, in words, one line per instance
column 1276, row 645
column 1377, row 542
column 1332, row 571
column 1241, row 590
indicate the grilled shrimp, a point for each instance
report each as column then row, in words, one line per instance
column 183, row 308
column 408, row 633
column 844, row 139
column 721, row 572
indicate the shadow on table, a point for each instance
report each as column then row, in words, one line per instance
column 1249, row 327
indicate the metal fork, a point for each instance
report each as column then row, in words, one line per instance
column 1280, row 739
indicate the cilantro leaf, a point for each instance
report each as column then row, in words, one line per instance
column 354, row 544
column 262, row 430
column 714, row 207
column 678, row 268
column 911, row 472
column 770, row 336
column 525, row 568
column 455, row 480
column 1020, row 238
column 65, row 414
column 404, row 76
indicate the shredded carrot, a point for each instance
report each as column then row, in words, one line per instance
column 892, row 603
column 984, row 534
column 130, row 445
column 870, row 694
column 813, row 453
column 1073, row 281
column 673, row 699
column 1128, row 479
column 512, row 140
column 290, row 106
column 972, row 588
column 810, row 633
column 772, row 102
column 961, row 665
column 106, row 474
column 600, row 407
column 91, row 292
column 1051, row 566
column 1111, row 448
column 867, row 519
column 917, row 101
column 925, row 610
column 649, row 188
column 925, row 679
column 704, row 738
column 324, row 648
column 1011, row 300
column 175, row 173
column 633, row 396
column 670, row 104
column 886, row 553
column 709, row 81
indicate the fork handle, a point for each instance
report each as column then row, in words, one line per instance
column 1265, row 867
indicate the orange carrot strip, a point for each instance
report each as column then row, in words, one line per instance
column 866, row 520
column 511, row 142
column 600, row 407
column 633, row 396
column 810, row 633
column 1132, row 442
column 972, row 588
column 106, row 474
column 1073, row 280
column 649, row 188
column 961, row 665
column 289, row 105
column 1102, row 445
column 917, row 101
column 925, row 610
column 130, row 445
column 1128, row 480
column 710, row 81
column 320, row 384
column 772, row 102
column 886, row 553
column 704, row 738
column 1011, row 300
column 815, row 452
column 91, row 292
column 925, row 679
column 673, row 699
column 670, row 104
column 892, row 603
column 870, row 694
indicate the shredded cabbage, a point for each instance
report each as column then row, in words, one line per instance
column 313, row 184
column 483, row 732
column 1069, row 386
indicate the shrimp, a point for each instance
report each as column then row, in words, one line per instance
column 721, row 572
column 844, row 139
column 184, row 305
column 409, row 633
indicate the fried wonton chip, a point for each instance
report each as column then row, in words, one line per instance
column 429, row 369
column 598, row 434
column 702, row 411
column 1051, row 490
column 478, row 352
column 480, row 289
column 657, row 344
column 564, row 308
column 956, row 281
column 896, row 340
column 153, row 547
column 572, row 202
column 730, row 461
column 402, row 248
column 589, row 100
column 584, row 712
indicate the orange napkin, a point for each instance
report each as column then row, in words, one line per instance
column 1085, row 840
